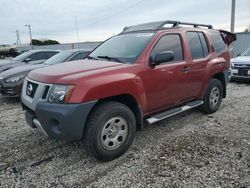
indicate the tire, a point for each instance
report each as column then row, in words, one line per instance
column 109, row 131
column 213, row 96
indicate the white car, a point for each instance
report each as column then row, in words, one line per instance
column 6, row 48
column 240, row 66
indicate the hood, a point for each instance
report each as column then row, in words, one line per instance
column 11, row 65
column 67, row 72
column 241, row 59
column 20, row 70
column 6, row 62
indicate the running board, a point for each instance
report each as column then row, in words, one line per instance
column 174, row 111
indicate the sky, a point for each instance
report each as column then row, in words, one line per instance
column 98, row 20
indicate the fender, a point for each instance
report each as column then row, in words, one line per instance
column 215, row 66
column 108, row 85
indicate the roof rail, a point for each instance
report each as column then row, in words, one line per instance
column 160, row 25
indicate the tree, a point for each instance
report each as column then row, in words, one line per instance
column 247, row 29
column 45, row 42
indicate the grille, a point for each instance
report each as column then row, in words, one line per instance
column 243, row 72
column 45, row 93
column 31, row 89
column 241, row 66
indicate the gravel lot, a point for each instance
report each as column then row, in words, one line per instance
column 188, row 150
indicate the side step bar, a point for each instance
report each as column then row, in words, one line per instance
column 174, row 111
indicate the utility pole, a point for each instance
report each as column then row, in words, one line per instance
column 232, row 16
column 77, row 32
column 18, row 41
column 30, row 36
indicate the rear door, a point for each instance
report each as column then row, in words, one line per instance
column 196, row 72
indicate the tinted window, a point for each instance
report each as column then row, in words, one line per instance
column 217, row 41
column 79, row 56
column 203, row 43
column 23, row 56
column 59, row 58
column 38, row 56
column 125, row 47
column 246, row 52
column 195, row 45
column 50, row 54
column 169, row 43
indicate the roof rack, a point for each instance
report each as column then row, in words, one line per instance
column 160, row 25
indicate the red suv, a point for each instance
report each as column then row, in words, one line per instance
column 147, row 73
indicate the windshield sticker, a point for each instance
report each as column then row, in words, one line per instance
column 144, row 34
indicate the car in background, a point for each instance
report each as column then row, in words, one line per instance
column 30, row 57
column 11, row 81
column 240, row 66
column 7, row 50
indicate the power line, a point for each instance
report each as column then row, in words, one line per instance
column 113, row 15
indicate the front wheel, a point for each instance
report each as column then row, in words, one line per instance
column 110, row 130
column 213, row 96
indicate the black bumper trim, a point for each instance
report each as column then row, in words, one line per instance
column 61, row 121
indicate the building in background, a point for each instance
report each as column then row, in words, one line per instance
column 67, row 46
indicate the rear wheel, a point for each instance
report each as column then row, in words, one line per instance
column 110, row 131
column 213, row 96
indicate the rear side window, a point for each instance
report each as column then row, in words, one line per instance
column 197, row 44
column 171, row 42
column 217, row 41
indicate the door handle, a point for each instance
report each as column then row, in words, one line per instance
column 186, row 69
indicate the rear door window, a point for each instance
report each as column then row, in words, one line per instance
column 203, row 44
column 195, row 45
column 38, row 56
column 170, row 42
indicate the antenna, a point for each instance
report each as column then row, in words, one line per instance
column 18, row 41
column 77, row 33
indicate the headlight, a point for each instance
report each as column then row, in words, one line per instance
column 14, row 79
column 232, row 65
column 60, row 93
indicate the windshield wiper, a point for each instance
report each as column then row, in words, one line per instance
column 110, row 58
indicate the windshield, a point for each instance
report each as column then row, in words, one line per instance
column 122, row 48
column 246, row 52
column 59, row 58
column 22, row 56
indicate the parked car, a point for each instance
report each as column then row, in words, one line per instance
column 7, row 50
column 240, row 66
column 30, row 57
column 11, row 80
column 147, row 73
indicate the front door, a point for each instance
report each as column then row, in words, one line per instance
column 165, row 84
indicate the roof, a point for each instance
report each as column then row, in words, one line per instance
column 161, row 25
column 78, row 50
column 44, row 50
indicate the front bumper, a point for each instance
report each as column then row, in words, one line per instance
column 235, row 74
column 10, row 89
column 59, row 121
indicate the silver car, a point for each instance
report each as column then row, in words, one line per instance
column 240, row 66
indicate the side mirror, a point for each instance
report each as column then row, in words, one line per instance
column 27, row 60
column 238, row 54
column 163, row 57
